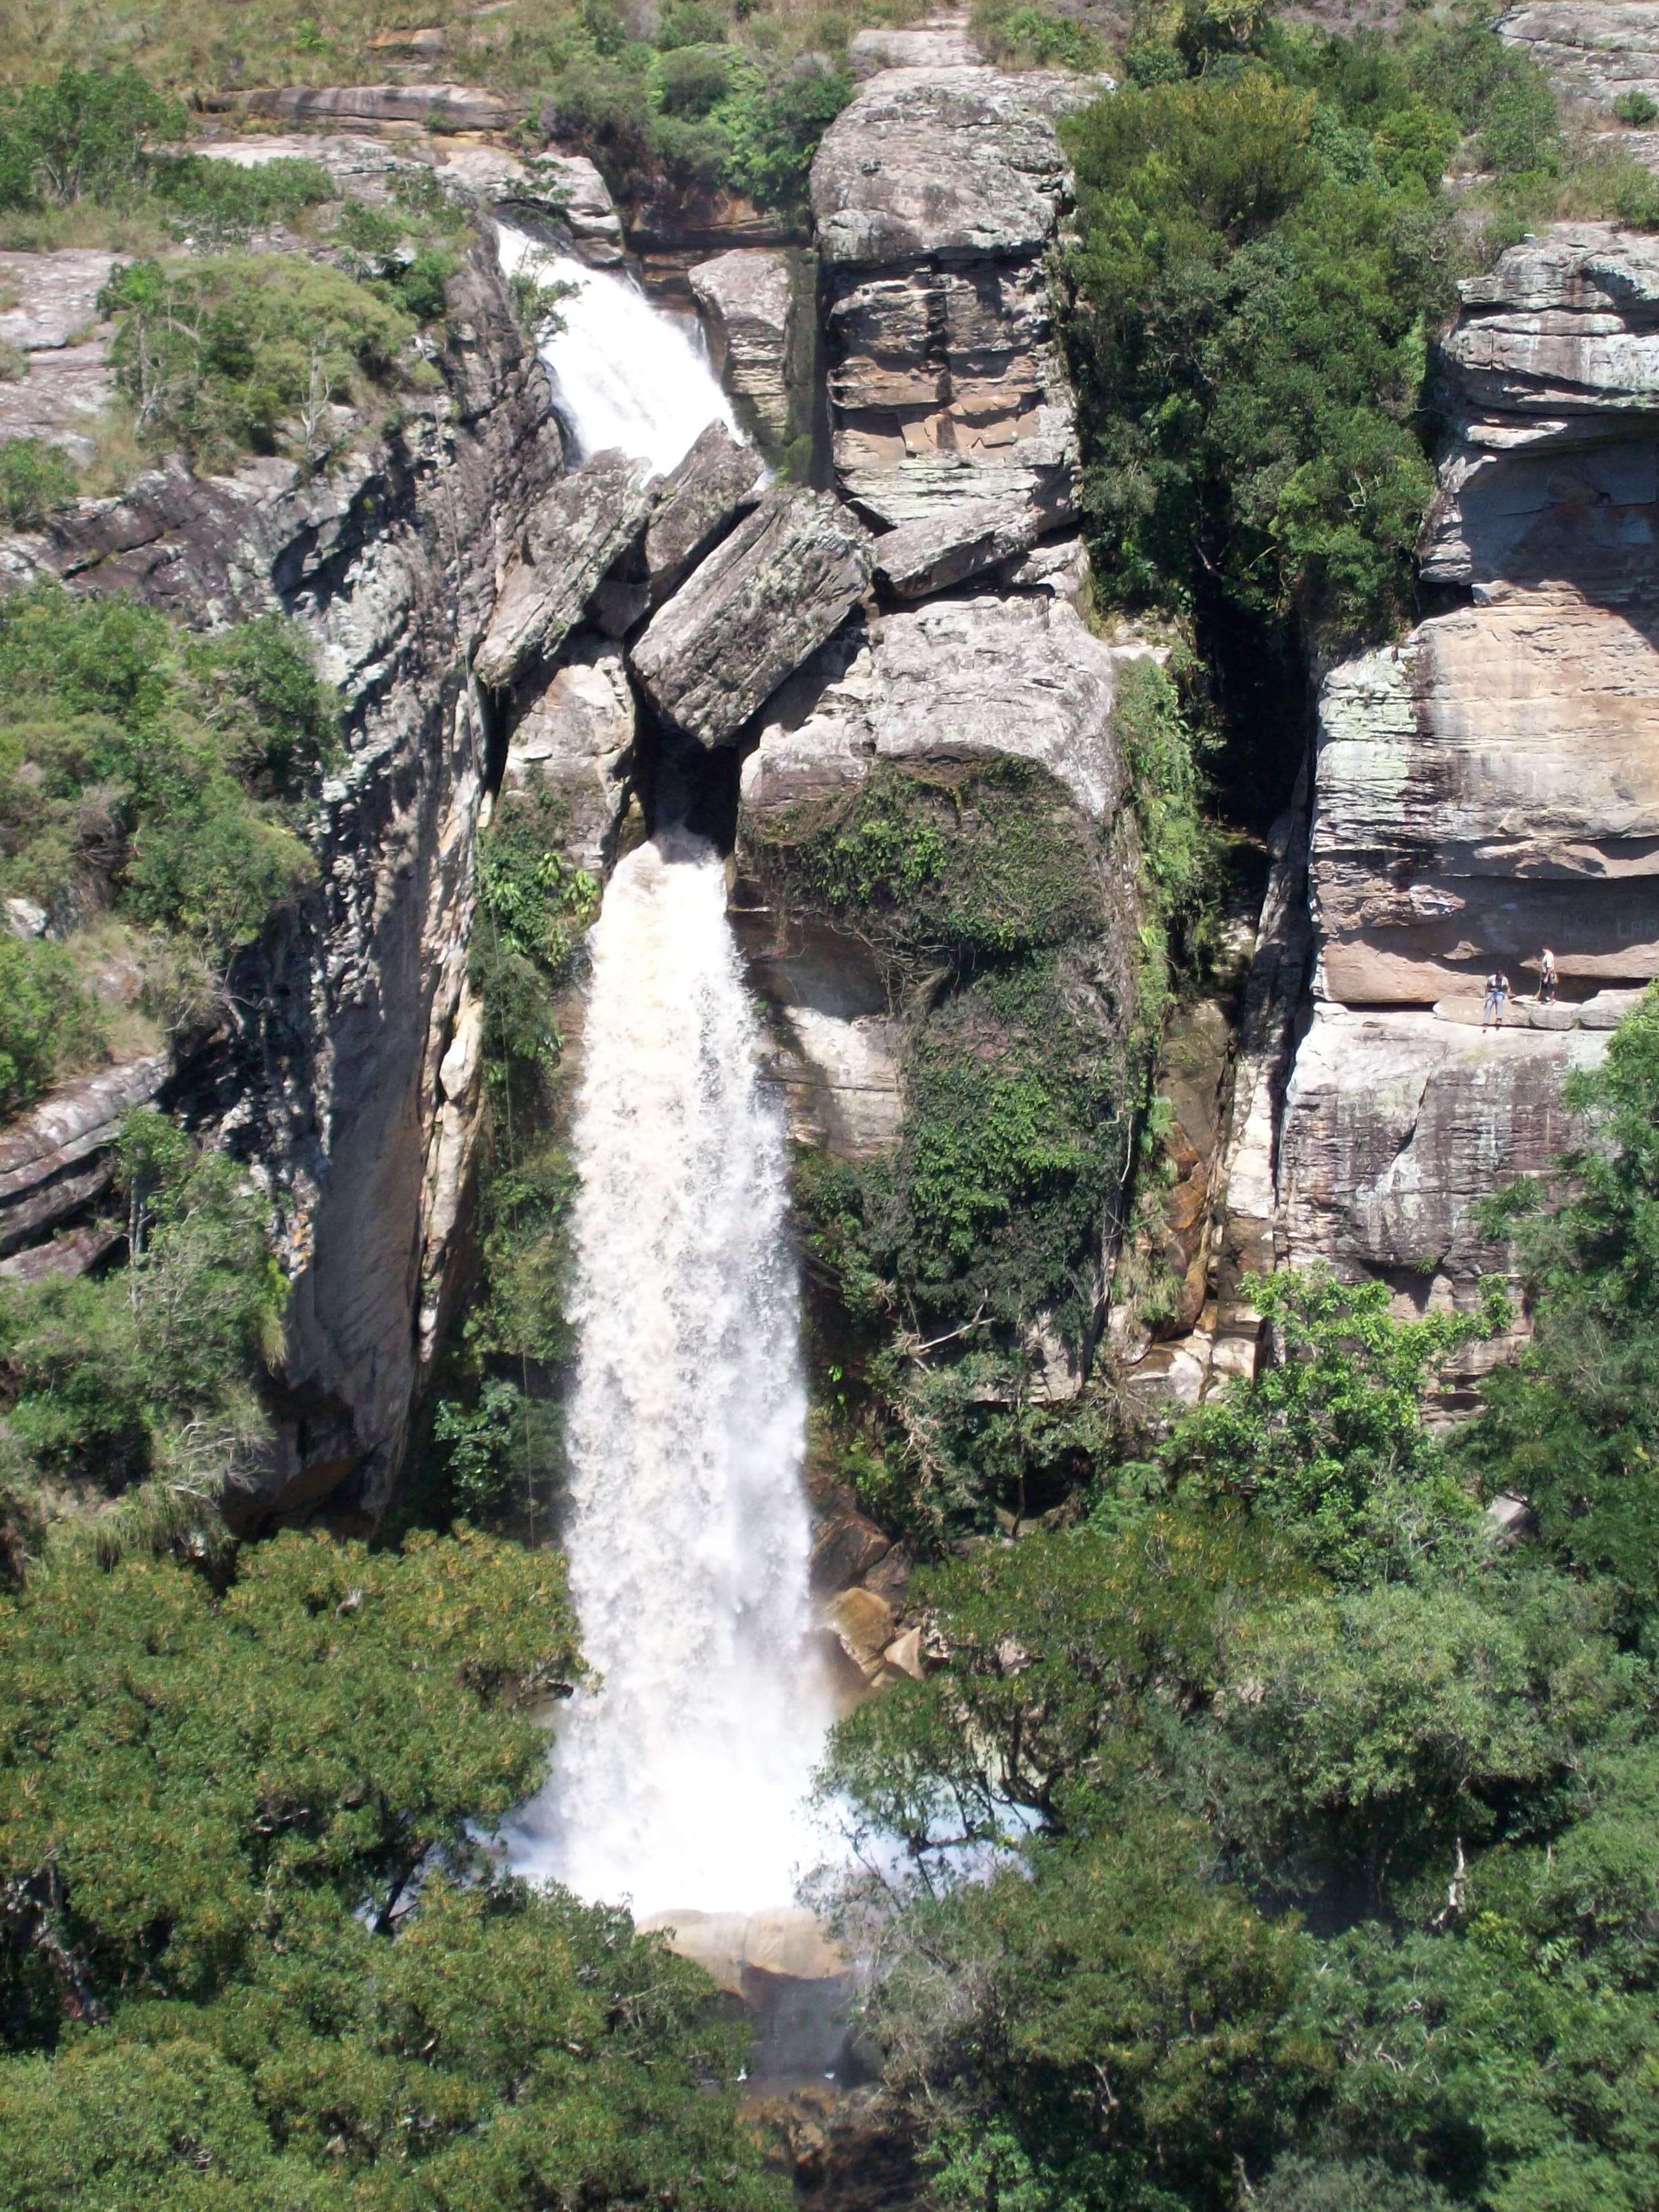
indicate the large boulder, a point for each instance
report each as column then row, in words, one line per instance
column 763, row 601
column 719, row 482
column 956, row 682
column 577, row 532
column 956, row 543
column 936, row 193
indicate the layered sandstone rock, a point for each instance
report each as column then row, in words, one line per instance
column 347, row 1074
column 1491, row 786
column 1599, row 51
column 936, row 193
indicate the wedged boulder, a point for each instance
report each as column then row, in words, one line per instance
column 760, row 333
column 718, row 483
column 957, row 542
column 1396, row 1124
column 936, row 193
column 573, row 740
column 55, row 1158
column 580, row 528
column 765, row 599
column 955, row 680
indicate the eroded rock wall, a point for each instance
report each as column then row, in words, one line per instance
column 1490, row 786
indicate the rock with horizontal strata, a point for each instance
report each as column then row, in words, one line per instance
column 936, row 194
column 763, row 601
column 61, row 1155
column 956, row 543
column 1600, row 53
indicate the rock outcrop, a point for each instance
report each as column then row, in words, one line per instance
column 1486, row 788
column 936, row 193
column 762, row 602
column 58, row 1157
column 1598, row 51
column 1490, row 786
column 341, row 1074
column 759, row 309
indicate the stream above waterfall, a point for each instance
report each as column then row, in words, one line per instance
column 625, row 375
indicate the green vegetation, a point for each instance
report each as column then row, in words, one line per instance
column 1265, row 249
column 153, row 779
column 249, row 352
column 1278, row 1835
column 1639, row 109
column 254, row 1954
column 496, row 1424
column 35, row 480
column 1020, row 35
column 95, row 140
column 130, row 1401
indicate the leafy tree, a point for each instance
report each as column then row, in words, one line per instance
column 83, row 135
column 48, row 1021
column 36, row 480
column 1328, row 1441
column 1573, row 1427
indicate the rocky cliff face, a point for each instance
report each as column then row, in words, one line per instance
column 1487, row 787
column 348, row 1068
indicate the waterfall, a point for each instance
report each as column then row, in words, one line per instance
column 624, row 375
column 679, row 1782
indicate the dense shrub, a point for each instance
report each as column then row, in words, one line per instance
column 156, row 775
column 48, row 1021
column 35, row 480
column 224, row 356
column 84, row 135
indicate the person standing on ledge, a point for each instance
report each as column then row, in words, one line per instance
column 1547, row 978
column 1497, row 992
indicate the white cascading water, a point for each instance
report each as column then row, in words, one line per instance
column 624, row 376
column 681, row 1781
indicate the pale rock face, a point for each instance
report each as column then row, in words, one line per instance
column 936, row 194
column 764, row 600
column 437, row 106
column 1491, row 786
column 941, row 43
column 574, row 739
column 758, row 331
column 1599, row 51
column 956, row 680
column 956, row 543
column 55, row 323
column 1395, row 1124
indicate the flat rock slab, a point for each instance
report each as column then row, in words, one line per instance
column 582, row 526
column 439, row 107
column 59, row 1155
column 1598, row 51
column 942, row 42
column 956, row 542
column 767, row 597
